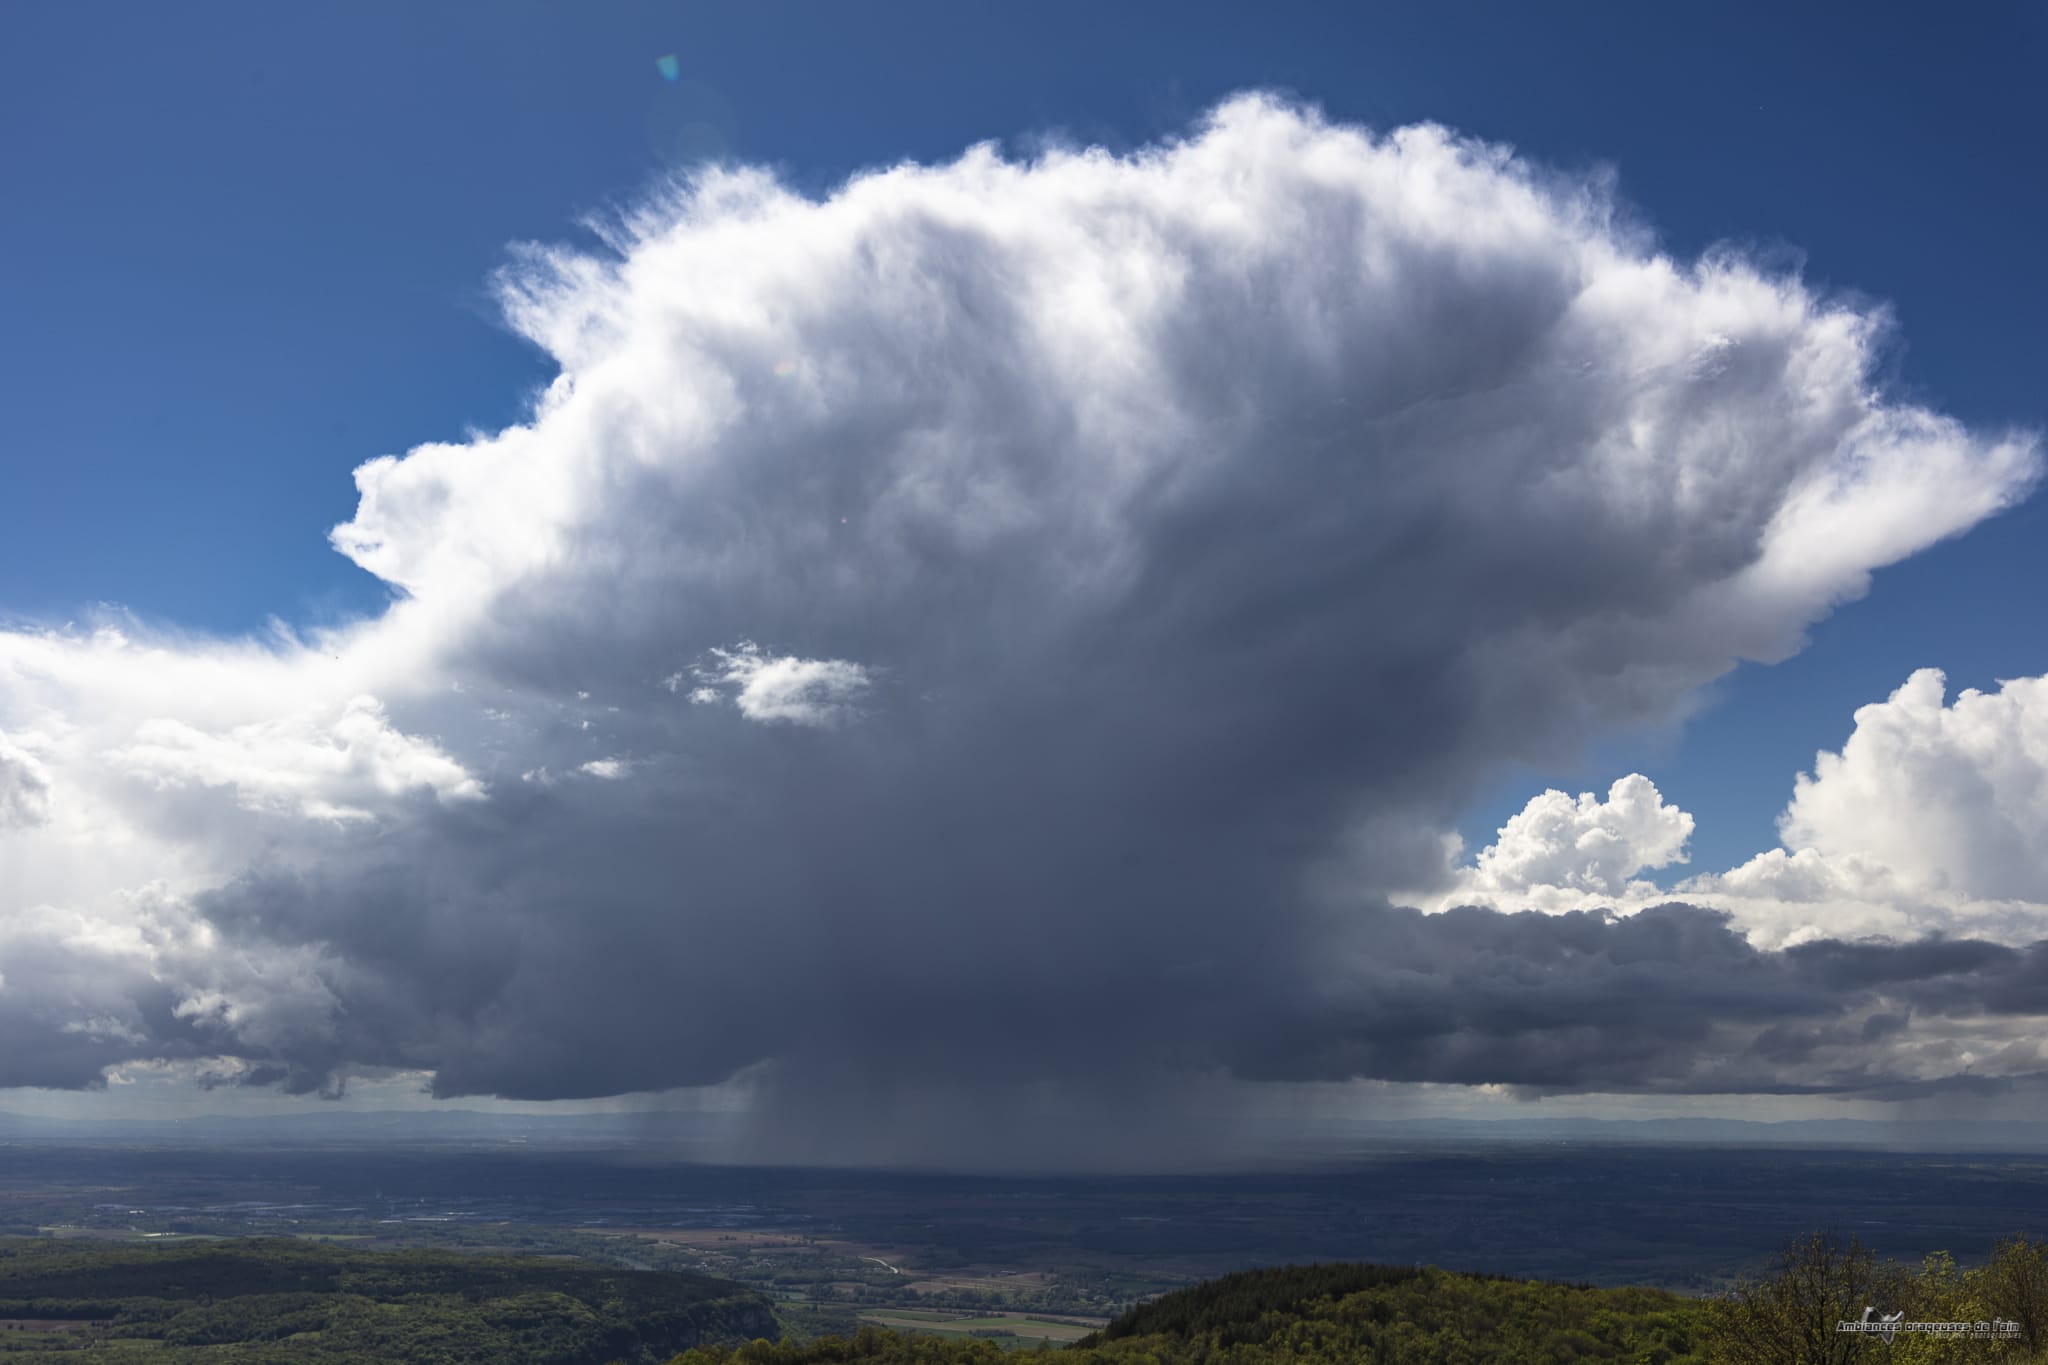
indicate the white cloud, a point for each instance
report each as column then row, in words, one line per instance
column 1804, row 876
column 24, row 787
column 609, row 768
column 1949, row 797
column 332, row 769
column 1581, row 848
column 767, row 688
column 1933, row 817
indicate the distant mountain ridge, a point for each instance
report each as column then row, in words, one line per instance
column 1994, row 1135
column 332, row 1125
column 337, row 1126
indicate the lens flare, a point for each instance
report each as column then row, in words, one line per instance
column 671, row 70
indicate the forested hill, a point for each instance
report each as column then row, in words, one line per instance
column 278, row 1299
column 1337, row 1313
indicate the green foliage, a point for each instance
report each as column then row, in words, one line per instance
column 2014, row 1285
column 1234, row 1301
column 807, row 1322
column 276, row 1299
column 1321, row 1313
column 1790, row 1315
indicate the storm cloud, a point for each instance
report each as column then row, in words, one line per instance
column 1005, row 628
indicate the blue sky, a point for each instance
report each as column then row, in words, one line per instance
column 252, row 246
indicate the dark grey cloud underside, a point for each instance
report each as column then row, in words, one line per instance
column 901, row 976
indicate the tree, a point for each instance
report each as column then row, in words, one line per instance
column 2013, row 1285
column 1790, row 1315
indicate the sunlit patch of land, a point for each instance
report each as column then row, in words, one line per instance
column 1027, row 1327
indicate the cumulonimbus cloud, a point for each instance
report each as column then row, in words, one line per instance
column 1154, row 552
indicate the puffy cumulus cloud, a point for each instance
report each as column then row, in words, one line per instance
column 1949, row 797
column 1928, row 819
column 24, row 787
column 1155, row 550
column 1583, row 846
column 767, row 688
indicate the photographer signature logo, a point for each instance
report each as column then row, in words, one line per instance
column 1886, row 1326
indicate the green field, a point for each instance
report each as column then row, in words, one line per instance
column 1028, row 1329
column 910, row 1315
column 167, row 1302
